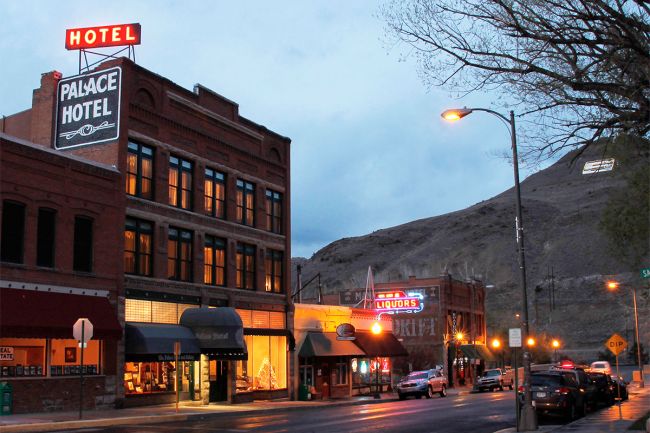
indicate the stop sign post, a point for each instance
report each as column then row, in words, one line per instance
column 82, row 330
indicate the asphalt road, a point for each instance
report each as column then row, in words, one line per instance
column 476, row 413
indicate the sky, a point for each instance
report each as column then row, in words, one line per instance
column 369, row 149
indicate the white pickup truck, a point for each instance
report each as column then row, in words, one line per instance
column 495, row 378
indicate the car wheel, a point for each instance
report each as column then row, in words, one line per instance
column 401, row 396
column 419, row 396
column 571, row 412
column 443, row 391
column 583, row 409
column 429, row 393
column 511, row 386
column 501, row 386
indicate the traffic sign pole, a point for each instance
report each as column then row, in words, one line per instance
column 620, row 411
column 81, row 369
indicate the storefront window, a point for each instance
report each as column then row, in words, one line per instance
column 137, row 310
column 266, row 367
column 65, row 357
column 155, row 377
column 26, row 357
column 22, row 357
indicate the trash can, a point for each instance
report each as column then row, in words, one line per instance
column 303, row 392
column 6, row 398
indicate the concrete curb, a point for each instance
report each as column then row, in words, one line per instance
column 79, row 424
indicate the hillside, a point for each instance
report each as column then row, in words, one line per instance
column 561, row 211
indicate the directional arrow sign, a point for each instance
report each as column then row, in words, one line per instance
column 616, row 344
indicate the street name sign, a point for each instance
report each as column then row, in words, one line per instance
column 616, row 344
column 514, row 337
column 645, row 273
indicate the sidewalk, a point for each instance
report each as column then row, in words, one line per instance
column 607, row 420
column 50, row 421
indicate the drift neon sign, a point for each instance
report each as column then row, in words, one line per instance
column 102, row 36
column 398, row 302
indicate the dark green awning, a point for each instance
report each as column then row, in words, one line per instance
column 325, row 344
column 150, row 342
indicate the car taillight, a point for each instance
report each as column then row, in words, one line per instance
column 563, row 390
column 521, row 388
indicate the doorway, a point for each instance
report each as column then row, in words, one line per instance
column 218, row 381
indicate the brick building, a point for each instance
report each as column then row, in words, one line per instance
column 205, row 222
column 58, row 264
column 449, row 330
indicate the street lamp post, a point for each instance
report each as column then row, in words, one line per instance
column 528, row 414
column 556, row 344
column 613, row 285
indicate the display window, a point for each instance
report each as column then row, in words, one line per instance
column 156, row 377
column 266, row 367
column 34, row 357
column 20, row 357
column 65, row 357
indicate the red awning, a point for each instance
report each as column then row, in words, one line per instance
column 34, row 314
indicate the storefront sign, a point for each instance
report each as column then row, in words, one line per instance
column 6, row 353
column 399, row 302
column 88, row 109
column 345, row 331
column 102, row 36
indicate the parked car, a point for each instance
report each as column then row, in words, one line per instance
column 620, row 383
column 605, row 388
column 601, row 367
column 495, row 378
column 586, row 385
column 556, row 392
column 423, row 383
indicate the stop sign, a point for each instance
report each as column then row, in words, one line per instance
column 87, row 330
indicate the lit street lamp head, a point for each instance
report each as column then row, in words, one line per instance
column 454, row 114
column 612, row 285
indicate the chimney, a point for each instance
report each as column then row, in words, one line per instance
column 43, row 109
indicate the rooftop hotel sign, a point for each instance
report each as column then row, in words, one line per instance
column 103, row 36
column 88, row 109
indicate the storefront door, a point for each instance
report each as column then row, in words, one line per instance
column 218, row 380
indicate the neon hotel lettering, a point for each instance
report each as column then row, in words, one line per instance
column 105, row 36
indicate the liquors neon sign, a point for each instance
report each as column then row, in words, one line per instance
column 399, row 302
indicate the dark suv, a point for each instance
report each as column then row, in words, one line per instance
column 585, row 384
column 557, row 392
column 605, row 388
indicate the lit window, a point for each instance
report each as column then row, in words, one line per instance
column 245, row 203
column 139, row 171
column 179, row 254
column 273, row 211
column 180, row 183
column 138, row 257
column 273, row 267
column 245, row 266
column 214, row 261
column 215, row 193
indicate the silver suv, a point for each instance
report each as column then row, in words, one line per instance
column 423, row 383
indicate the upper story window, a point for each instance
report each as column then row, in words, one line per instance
column 82, row 260
column 138, row 245
column 245, row 266
column 45, row 237
column 13, row 232
column 180, row 183
column 214, row 261
column 215, row 193
column 139, row 171
column 274, row 211
column 179, row 254
column 245, row 202
column 273, row 267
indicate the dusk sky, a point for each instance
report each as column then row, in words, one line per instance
column 369, row 149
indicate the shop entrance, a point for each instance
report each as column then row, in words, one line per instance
column 218, row 380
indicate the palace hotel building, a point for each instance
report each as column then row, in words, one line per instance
column 172, row 237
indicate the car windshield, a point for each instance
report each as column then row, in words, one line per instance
column 491, row 373
column 417, row 375
column 598, row 365
column 545, row 380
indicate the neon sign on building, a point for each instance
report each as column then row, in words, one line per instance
column 398, row 302
column 102, row 36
